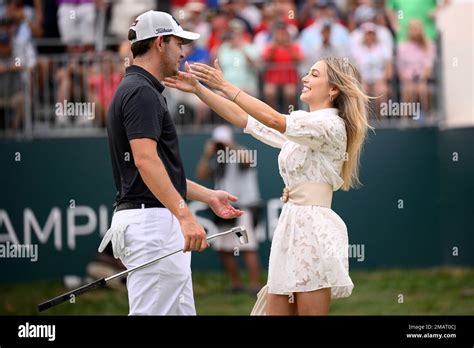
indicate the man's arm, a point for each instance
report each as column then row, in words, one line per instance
column 198, row 192
column 156, row 178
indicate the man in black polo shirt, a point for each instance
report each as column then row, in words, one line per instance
column 151, row 216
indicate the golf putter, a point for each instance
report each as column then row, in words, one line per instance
column 239, row 231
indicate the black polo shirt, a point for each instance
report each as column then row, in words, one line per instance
column 139, row 110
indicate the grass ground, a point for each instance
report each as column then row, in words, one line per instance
column 437, row 291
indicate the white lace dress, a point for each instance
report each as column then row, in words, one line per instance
column 310, row 244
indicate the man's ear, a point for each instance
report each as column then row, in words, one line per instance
column 159, row 43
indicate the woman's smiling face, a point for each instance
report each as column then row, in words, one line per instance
column 315, row 85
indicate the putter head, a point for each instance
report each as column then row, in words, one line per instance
column 241, row 233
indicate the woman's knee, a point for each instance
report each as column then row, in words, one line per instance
column 314, row 302
column 281, row 304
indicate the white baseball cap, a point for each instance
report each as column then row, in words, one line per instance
column 155, row 23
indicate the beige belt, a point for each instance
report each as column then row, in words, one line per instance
column 308, row 193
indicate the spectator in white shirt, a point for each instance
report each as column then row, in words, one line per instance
column 374, row 63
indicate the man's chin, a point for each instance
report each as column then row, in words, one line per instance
column 171, row 73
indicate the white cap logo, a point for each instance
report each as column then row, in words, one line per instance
column 155, row 23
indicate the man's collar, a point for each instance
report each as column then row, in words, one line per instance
column 135, row 69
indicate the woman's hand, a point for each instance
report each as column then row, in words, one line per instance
column 184, row 81
column 212, row 77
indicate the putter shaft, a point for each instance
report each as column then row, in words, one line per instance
column 100, row 283
column 146, row 264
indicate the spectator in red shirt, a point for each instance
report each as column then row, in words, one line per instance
column 281, row 57
column 103, row 84
column 219, row 26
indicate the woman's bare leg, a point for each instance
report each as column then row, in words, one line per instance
column 281, row 305
column 313, row 302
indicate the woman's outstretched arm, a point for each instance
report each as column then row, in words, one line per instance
column 214, row 78
column 226, row 109
column 229, row 111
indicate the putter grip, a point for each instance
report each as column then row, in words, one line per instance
column 67, row 296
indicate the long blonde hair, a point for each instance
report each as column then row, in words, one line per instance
column 353, row 107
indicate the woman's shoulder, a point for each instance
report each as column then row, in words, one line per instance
column 298, row 113
column 321, row 117
column 328, row 112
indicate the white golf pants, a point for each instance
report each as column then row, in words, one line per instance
column 164, row 288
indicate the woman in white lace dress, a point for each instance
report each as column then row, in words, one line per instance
column 320, row 152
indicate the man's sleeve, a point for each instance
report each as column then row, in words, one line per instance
column 143, row 114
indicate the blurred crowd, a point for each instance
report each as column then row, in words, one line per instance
column 57, row 52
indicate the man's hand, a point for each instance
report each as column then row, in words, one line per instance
column 220, row 205
column 194, row 235
column 184, row 81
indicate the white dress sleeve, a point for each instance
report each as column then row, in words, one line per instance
column 263, row 133
column 315, row 131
